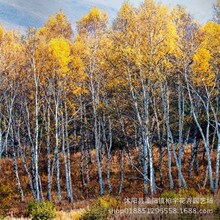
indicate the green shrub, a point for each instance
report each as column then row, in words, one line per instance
column 99, row 210
column 188, row 193
column 169, row 195
column 41, row 211
column 187, row 216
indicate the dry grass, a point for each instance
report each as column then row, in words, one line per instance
column 73, row 214
column 60, row 215
column 133, row 185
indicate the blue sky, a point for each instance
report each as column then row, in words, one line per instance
column 21, row 14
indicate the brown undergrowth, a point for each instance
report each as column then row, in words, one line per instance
column 85, row 195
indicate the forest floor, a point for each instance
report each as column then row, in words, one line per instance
column 85, row 195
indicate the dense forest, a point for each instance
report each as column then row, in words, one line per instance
column 143, row 88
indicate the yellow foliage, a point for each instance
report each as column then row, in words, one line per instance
column 126, row 11
column 57, row 27
column 60, row 49
column 12, row 55
column 205, row 60
column 202, row 71
column 94, row 21
column 2, row 31
column 211, row 41
column 126, row 19
column 150, row 38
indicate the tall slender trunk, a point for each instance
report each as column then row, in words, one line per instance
column 217, row 128
column 97, row 152
column 109, row 147
column 96, row 127
column 122, row 174
column 49, row 171
column 35, row 152
column 82, row 145
column 15, row 165
column 160, row 146
column 87, row 148
column 57, row 153
column 170, row 142
column 41, row 189
column 23, row 157
column 205, row 136
column 180, row 124
column 69, row 196
column 18, row 183
column 68, row 155
column 170, row 165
